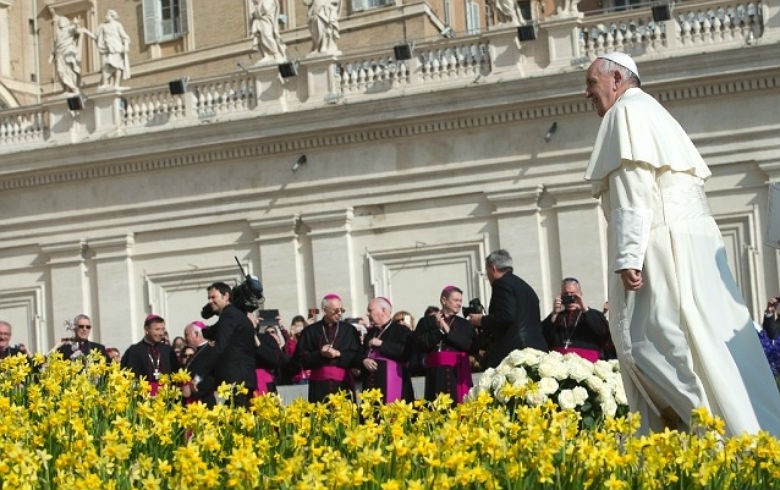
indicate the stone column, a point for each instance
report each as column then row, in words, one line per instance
column 562, row 39
column 517, row 220
column 116, row 294
column 581, row 247
column 281, row 265
column 331, row 249
column 107, row 110
column 69, row 284
column 318, row 73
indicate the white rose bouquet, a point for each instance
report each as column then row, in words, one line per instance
column 532, row 377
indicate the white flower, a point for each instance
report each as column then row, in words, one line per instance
column 548, row 386
column 620, row 395
column 609, row 408
column 580, row 395
column 566, row 399
column 497, row 382
column 485, row 380
column 535, row 398
column 526, row 357
column 504, row 368
column 594, row 383
column 550, row 367
column 603, row 369
column 579, row 368
column 517, row 376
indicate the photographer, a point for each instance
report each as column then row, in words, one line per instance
column 6, row 349
column 234, row 342
column 513, row 316
column 573, row 327
column 771, row 323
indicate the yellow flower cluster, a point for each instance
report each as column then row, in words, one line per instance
column 90, row 425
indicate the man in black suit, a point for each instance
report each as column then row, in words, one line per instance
column 80, row 345
column 513, row 319
column 151, row 357
column 202, row 385
column 234, row 343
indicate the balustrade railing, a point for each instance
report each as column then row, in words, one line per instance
column 698, row 26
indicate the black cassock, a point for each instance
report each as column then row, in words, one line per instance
column 149, row 361
column 202, row 375
column 397, row 348
column 325, row 372
column 457, row 343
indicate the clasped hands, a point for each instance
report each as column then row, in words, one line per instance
column 329, row 352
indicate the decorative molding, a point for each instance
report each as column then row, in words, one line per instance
column 520, row 200
column 328, row 222
column 159, row 286
column 31, row 301
column 65, row 253
column 112, row 247
column 270, row 229
column 403, row 129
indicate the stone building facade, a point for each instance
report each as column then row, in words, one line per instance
column 362, row 175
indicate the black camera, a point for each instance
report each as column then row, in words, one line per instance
column 247, row 296
column 474, row 307
column 568, row 299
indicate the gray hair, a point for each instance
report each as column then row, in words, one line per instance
column 500, row 259
column 3, row 322
column 608, row 66
column 80, row 316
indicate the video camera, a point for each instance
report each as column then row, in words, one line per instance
column 247, row 295
column 474, row 307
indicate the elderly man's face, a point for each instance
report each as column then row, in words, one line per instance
column 602, row 89
column 332, row 311
column 5, row 336
column 82, row 329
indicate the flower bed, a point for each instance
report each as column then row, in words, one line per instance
column 75, row 426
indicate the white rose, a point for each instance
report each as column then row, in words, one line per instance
column 486, row 379
column 579, row 368
column 580, row 395
column 548, row 386
column 609, row 408
column 566, row 400
column 504, row 368
column 620, row 395
column 497, row 382
column 517, row 376
column 535, row 398
column 594, row 383
column 604, row 394
column 551, row 367
column 603, row 369
column 515, row 357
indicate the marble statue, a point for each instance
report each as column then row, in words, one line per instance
column 324, row 25
column 66, row 51
column 113, row 45
column 265, row 31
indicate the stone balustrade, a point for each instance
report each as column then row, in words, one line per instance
column 571, row 41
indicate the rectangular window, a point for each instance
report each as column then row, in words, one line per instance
column 360, row 5
column 472, row 17
column 164, row 20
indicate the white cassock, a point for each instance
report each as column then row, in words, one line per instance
column 686, row 338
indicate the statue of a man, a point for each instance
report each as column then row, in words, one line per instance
column 113, row 44
column 507, row 12
column 265, row 31
column 66, row 51
column 324, row 25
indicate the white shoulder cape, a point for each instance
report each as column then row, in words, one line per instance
column 637, row 128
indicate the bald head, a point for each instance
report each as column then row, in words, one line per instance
column 379, row 311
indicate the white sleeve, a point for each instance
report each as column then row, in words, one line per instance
column 631, row 189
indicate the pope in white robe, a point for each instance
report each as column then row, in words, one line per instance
column 684, row 337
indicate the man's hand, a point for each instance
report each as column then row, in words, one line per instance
column 632, row 279
column 476, row 319
column 369, row 364
column 375, row 342
column 329, row 352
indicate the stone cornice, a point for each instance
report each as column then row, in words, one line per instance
column 271, row 229
column 282, row 143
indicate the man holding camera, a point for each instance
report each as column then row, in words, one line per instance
column 771, row 323
column 572, row 326
column 234, row 343
column 513, row 319
column 6, row 349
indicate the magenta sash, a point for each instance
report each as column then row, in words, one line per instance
column 328, row 373
column 264, row 378
column 153, row 387
column 458, row 360
column 589, row 354
column 394, row 380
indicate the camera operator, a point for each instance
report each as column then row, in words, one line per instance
column 513, row 319
column 234, row 342
column 771, row 323
column 573, row 327
column 6, row 349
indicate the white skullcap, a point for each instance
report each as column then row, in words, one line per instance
column 621, row 59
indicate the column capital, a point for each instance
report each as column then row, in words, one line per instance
column 329, row 222
column 65, row 252
column 278, row 228
column 120, row 246
column 523, row 200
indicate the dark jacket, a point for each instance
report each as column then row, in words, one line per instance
column 143, row 359
column 513, row 320
column 73, row 350
column 234, row 343
column 199, row 365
